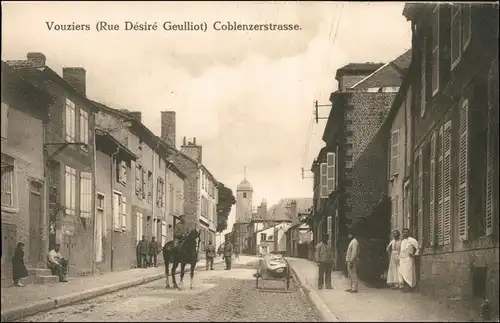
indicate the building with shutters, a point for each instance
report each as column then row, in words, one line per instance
column 25, row 110
column 69, row 158
column 350, row 182
column 454, row 104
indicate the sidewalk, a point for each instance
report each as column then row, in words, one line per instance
column 31, row 299
column 371, row 304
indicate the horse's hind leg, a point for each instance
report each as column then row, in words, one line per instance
column 174, row 269
column 183, row 267
column 167, row 265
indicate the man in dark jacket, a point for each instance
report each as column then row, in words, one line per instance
column 228, row 253
column 154, row 250
column 142, row 252
column 210, row 255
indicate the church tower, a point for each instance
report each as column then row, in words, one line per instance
column 244, row 193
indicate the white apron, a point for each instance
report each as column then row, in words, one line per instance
column 393, row 276
column 406, row 263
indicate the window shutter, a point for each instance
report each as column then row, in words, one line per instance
column 124, row 213
column 330, row 165
column 463, row 173
column 439, row 188
column 432, row 193
column 117, row 211
column 420, row 201
column 389, row 159
column 138, row 174
column 489, row 210
column 123, row 172
column 4, row 119
column 395, row 152
column 435, row 49
column 158, row 195
column 466, row 25
column 456, row 34
column 447, row 183
column 423, row 78
column 323, row 182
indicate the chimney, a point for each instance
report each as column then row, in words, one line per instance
column 293, row 212
column 36, row 59
column 76, row 77
column 168, row 127
column 184, row 141
column 192, row 150
column 263, row 206
column 136, row 115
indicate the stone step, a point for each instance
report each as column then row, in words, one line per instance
column 39, row 271
column 49, row 279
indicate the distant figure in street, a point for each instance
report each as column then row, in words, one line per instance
column 220, row 250
column 394, row 247
column 210, row 255
column 228, row 253
column 407, row 270
column 154, row 250
column 18, row 268
column 324, row 259
column 351, row 259
column 142, row 252
column 57, row 264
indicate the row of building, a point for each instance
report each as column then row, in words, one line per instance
column 89, row 177
column 414, row 144
column 263, row 230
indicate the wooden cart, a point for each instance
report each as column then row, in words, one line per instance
column 273, row 267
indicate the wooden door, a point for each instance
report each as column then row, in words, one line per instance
column 35, row 207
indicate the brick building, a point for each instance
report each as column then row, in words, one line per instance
column 454, row 97
column 350, row 185
column 69, row 153
column 24, row 111
column 200, row 194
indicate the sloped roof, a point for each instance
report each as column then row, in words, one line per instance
column 281, row 210
column 388, row 75
column 244, row 186
column 358, row 68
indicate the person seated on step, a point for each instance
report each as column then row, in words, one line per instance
column 57, row 264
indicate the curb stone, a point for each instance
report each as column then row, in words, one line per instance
column 19, row 312
column 320, row 306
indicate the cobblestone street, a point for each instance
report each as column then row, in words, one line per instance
column 218, row 295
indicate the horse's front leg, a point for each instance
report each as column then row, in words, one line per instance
column 174, row 269
column 167, row 264
column 183, row 268
column 193, row 266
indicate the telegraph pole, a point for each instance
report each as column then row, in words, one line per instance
column 274, row 234
column 316, row 113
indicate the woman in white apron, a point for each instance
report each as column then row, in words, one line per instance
column 394, row 247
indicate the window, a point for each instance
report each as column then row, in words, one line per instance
column 139, row 226
column 70, row 120
column 150, row 186
column 117, row 209
column 4, row 119
column 446, row 222
column 70, row 190
column 100, row 201
column 323, row 181
column 244, row 195
column 395, row 152
column 492, row 136
column 435, row 51
column 463, row 172
column 466, row 25
column 423, row 78
column 124, row 213
column 85, row 195
column 456, row 35
column 121, row 174
column 432, row 192
column 84, row 129
column 7, row 181
column 331, row 162
column 263, row 237
column 171, row 200
column 270, row 238
column 160, row 190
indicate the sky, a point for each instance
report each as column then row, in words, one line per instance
column 247, row 96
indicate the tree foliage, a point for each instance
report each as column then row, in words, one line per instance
column 226, row 202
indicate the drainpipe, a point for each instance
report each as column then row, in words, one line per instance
column 154, row 193
column 94, row 231
column 112, row 163
column 44, row 219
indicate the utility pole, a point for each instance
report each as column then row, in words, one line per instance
column 274, row 234
column 316, row 113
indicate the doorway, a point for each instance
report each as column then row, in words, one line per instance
column 35, row 207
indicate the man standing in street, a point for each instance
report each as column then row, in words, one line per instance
column 324, row 259
column 142, row 252
column 154, row 250
column 210, row 255
column 351, row 259
column 57, row 264
column 407, row 269
column 228, row 253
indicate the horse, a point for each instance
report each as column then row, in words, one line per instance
column 184, row 253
